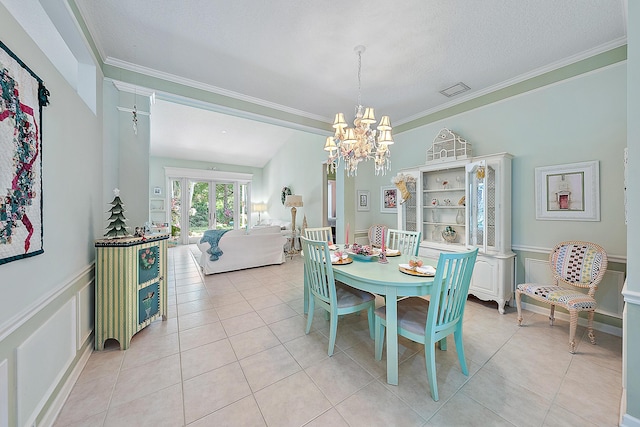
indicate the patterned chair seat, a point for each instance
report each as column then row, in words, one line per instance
column 568, row 298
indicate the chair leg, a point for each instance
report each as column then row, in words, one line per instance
column 552, row 317
column 379, row 338
column 457, row 335
column 370, row 318
column 573, row 316
column 430, row 360
column 592, row 337
column 519, row 306
column 333, row 331
column 311, row 308
column 443, row 344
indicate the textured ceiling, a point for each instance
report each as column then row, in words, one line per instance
column 298, row 56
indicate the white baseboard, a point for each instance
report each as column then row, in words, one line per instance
column 629, row 421
column 56, row 406
column 602, row 327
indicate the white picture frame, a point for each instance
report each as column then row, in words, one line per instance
column 569, row 192
column 388, row 199
column 157, row 191
column 363, row 200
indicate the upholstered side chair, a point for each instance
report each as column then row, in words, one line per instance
column 574, row 265
column 375, row 235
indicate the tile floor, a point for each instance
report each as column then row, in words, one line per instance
column 233, row 352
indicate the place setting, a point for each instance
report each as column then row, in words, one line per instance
column 415, row 267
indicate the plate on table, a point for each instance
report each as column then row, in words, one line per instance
column 333, row 247
column 426, row 271
column 392, row 252
column 342, row 261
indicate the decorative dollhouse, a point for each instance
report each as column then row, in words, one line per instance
column 448, row 146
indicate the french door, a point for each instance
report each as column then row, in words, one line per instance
column 198, row 205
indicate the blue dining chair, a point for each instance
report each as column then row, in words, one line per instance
column 336, row 298
column 428, row 322
column 407, row 242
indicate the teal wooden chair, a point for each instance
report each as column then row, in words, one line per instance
column 407, row 242
column 336, row 298
column 428, row 322
column 319, row 233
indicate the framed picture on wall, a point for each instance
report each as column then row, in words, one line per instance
column 362, row 203
column 388, row 199
column 568, row 192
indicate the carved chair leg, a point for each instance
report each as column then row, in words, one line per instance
column 519, row 306
column 573, row 316
column 592, row 337
column 552, row 315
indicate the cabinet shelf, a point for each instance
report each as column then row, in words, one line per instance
column 443, row 190
column 444, row 207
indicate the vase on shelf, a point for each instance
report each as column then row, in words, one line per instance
column 460, row 217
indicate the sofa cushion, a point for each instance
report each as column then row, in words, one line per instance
column 265, row 230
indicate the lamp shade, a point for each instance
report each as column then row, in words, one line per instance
column 330, row 145
column 385, row 138
column 339, row 122
column 368, row 116
column 259, row 207
column 385, row 123
column 350, row 138
column 293, row 201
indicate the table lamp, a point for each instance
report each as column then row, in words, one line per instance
column 259, row 207
column 293, row 201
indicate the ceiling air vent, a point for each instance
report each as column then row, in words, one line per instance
column 455, row 90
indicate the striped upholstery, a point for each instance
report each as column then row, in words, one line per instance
column 560, row 296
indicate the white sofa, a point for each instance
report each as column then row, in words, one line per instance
column 241, row 249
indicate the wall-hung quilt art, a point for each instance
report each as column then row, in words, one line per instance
column 22, row 96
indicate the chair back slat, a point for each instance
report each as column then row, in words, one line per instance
column 319, row 271
column 407, row 242
column 578, row 263
column 450, row 290
column 319, row 233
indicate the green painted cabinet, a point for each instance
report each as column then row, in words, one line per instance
column 131, row 287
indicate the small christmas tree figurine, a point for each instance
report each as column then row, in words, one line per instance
column 117, row 226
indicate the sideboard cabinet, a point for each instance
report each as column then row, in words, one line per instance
column 131, row 290
column 466, row 204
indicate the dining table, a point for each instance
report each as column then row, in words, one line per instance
column 387, row 280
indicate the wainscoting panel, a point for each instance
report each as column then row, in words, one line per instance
column 42, row 360
column 4, row 394
column 85, row 310
column 609, row 294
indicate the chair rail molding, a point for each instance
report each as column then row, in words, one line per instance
column 622, row 259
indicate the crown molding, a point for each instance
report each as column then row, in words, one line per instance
column 210, row 88
column 519, row 79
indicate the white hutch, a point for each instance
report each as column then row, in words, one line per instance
column 461, row 202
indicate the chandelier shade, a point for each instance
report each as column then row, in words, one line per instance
column 360, row 142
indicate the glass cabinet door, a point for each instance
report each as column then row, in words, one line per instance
column 481, row 204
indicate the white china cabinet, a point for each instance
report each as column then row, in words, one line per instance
column 464, row 204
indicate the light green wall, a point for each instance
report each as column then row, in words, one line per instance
column 32, row 290
column 577, row 120
column 632, row 333
column 72, row 184
column 299, row 165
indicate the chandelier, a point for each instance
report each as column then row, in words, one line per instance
column 360, row 142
